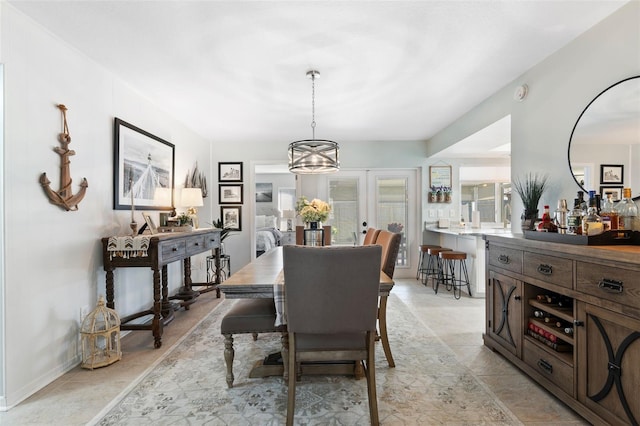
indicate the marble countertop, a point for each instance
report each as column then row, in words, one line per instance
column 468, row 230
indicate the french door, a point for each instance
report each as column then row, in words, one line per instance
column 384, row 199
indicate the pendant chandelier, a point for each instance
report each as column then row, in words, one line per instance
column 313, row 156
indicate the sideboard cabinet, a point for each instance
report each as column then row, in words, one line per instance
column 569, row 317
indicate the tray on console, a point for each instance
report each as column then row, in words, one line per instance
column 609, row 238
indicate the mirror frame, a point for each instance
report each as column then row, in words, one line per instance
column 578, row 121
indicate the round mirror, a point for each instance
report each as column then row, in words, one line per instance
column 604, row 149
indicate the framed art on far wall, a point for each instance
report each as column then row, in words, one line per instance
column 230, row 194
column 611, row 174
column 615, row 191
column 143, row 163
column 231, row 217
column 230, row 172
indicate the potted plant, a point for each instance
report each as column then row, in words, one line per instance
column 433, row 193
column 226, row 232
column 530, row 189
column 447, row 193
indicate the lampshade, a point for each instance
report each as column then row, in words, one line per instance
column 313, row 156
column 191, row 197
column 288, row 214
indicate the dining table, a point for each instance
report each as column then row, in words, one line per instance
column 264, row 278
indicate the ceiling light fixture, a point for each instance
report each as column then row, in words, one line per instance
column 313, row 156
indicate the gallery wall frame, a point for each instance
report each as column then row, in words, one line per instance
column 230, row 171
column 142, row 163
column 612, row 174
column 231, row 217
column 616, row 192
column 230, row 193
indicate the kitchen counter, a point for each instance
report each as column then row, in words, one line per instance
column 469, row 240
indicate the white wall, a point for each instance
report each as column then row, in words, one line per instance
column 53, row 263
column 560, row 87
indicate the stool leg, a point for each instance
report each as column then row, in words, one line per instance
column 440, row 278
column 229, row 354
column 456, row 283
column 466, row 276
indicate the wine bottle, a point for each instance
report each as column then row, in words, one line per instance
column 627, row 212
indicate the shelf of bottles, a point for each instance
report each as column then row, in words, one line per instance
column 550, row 323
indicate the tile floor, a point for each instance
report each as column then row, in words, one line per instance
column 76, row 397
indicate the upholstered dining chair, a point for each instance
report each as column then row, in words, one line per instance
column 331, row 303
column 390, row 243
column 370, row 236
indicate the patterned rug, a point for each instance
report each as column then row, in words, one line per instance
column 188, row 387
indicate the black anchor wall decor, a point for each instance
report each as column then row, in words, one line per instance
column 64, row 197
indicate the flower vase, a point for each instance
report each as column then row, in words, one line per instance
column 314, row 225
column 529, row 220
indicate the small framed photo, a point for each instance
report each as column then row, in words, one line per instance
column 612, row 174
column 149, row 222
column 615, row 191
column 230, row 172
column 264, row 192
column 231, row 217
column 230, row 194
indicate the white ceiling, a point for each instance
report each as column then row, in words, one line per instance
column 234, row 71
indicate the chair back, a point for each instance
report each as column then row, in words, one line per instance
column 370, row 236
column 390, row 243
column 331, row 290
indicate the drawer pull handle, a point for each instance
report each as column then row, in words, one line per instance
column 503, row 258
column 544, row 365
column 197, row 244
column 545, row 269
column 578, row 323
column 612, row 286
column 174, row 249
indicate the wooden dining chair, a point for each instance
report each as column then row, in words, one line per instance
column 390, row 243
column 331, row 303
column 370, row 236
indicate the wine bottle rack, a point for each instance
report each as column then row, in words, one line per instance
column 561, row 344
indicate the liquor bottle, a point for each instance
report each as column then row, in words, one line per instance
column 608, row 214
column 591, row 223
column 574, row 219
column 582, row 203
column 627, row 212
column 560, row 218
column 547, row 225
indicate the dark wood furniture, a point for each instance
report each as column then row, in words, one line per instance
column 163, row 249
column 593, row 294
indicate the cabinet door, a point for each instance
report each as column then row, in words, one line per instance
column 504, row 313
column 609, row 364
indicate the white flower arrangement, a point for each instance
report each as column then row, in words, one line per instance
column 312, row 211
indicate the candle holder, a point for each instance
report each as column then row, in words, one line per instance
column 134, row 228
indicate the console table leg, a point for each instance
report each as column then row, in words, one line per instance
column 109, row 289
column 156, row 325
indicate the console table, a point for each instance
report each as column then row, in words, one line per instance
column 162, row 249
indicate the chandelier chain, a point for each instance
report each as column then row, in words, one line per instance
column 313, row 106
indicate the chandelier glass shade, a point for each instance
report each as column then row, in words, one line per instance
column 313, row 156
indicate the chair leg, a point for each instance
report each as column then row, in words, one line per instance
column 229, row 354
column 370, row 372
column 382, row 322
column 291, row 388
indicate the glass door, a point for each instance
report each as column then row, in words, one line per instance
column 384, row 199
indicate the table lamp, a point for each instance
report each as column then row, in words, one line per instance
column 192, row 198
column 289, row 215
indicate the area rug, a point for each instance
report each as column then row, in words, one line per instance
column 427, row 387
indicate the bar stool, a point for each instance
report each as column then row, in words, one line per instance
column 422, row 267
column 434, row 267
column 452, row 261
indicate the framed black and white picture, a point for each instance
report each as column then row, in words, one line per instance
column 231, row 217
column 615, row 191
column 612, row 174
column 143, row 164
column 264, row 192
column 150, row 224
column 230, row 194
column 230, row 172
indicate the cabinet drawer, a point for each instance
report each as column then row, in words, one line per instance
column 610, row 283
column 196, row 245
column 212, row 240
column 550, row 269
column 173, row 251
column 505, row 258
column 549, row 366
